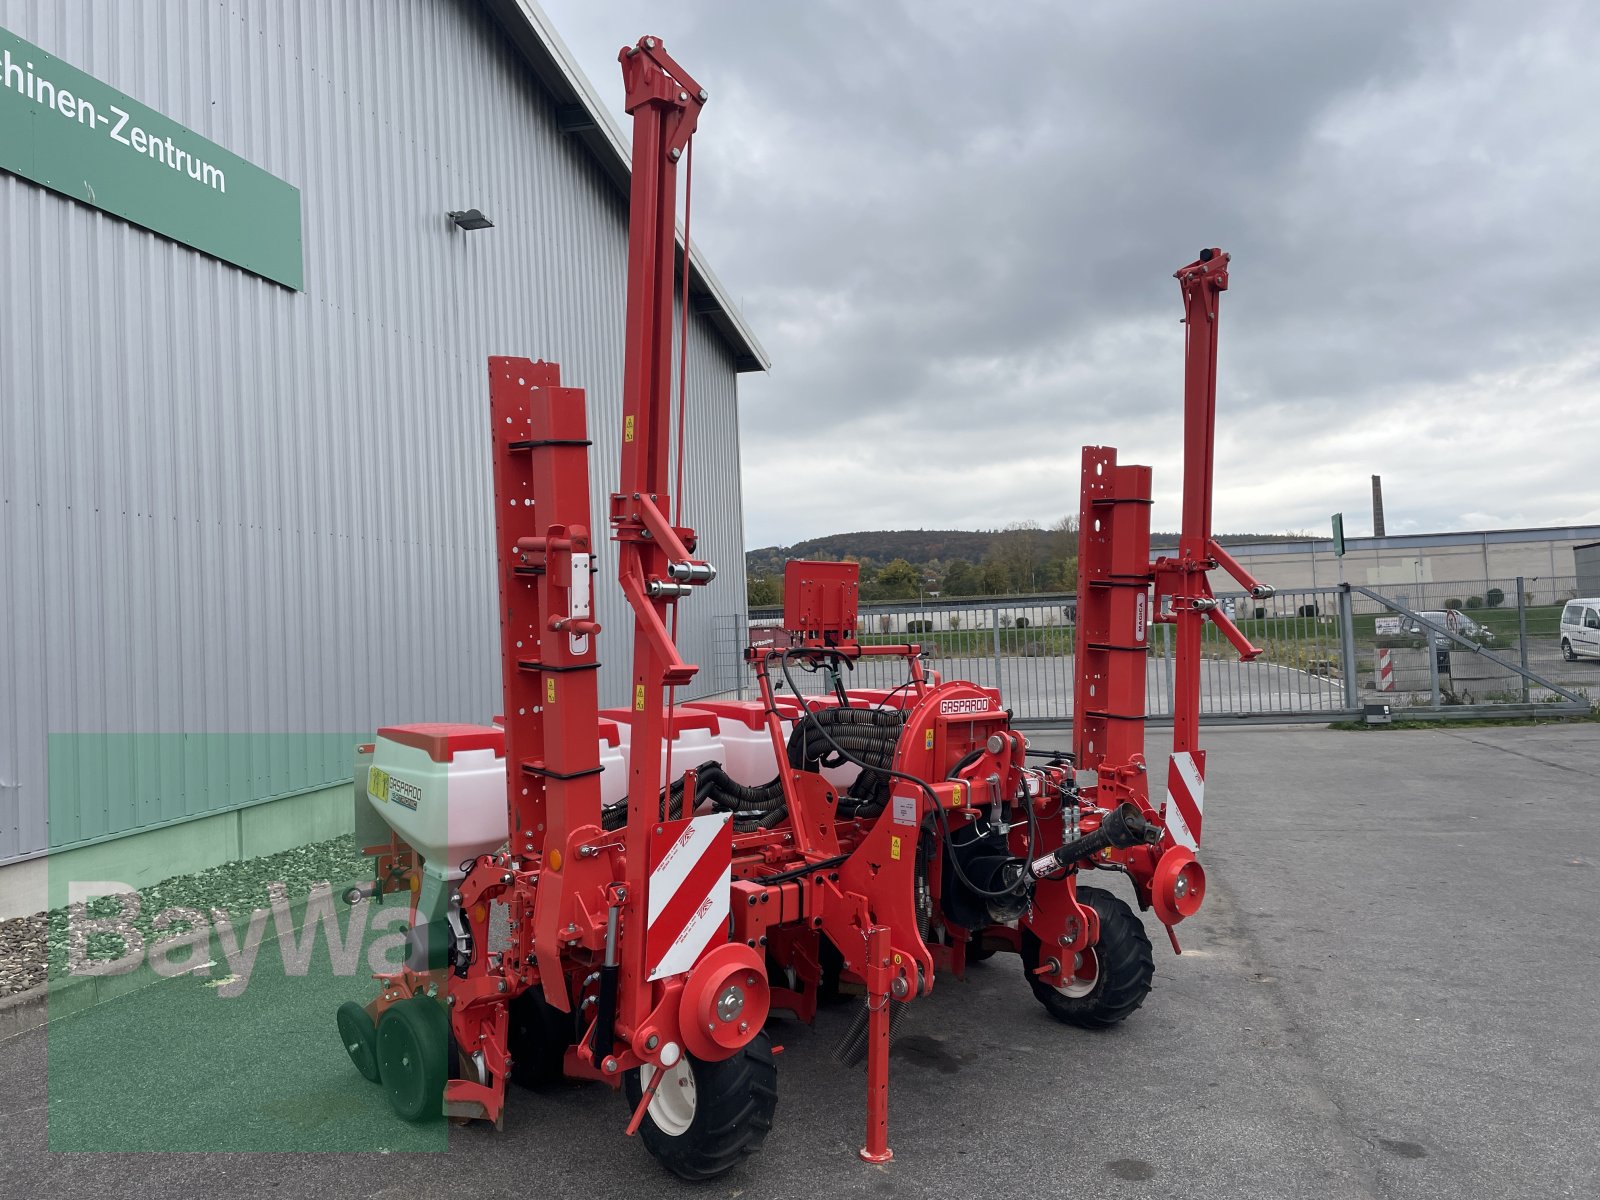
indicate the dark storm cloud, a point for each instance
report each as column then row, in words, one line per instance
column 954, row 227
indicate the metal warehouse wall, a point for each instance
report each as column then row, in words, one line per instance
column 1586, row 559
column 234, row 509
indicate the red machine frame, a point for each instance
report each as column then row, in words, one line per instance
column 586, row 902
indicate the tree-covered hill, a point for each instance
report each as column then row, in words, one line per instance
column 906, row 563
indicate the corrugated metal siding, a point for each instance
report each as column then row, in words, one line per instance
column 233, row 509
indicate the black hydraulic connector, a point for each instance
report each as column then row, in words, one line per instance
column 1123, row 827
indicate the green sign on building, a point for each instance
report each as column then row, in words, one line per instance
column 77, row 136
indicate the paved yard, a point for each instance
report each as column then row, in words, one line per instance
column 1391, row 992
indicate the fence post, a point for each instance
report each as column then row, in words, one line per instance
column 1347, row 649
column 1433, row 667
column 740, row 633
column 1172, row 691
column 994, row 621
column 1522, row 633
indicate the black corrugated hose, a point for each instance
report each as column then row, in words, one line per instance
column 869, row 735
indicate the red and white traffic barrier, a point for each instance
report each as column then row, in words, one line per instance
column 1385, row 670
column 1186, row 798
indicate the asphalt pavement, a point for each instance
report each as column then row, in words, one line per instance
column 1390, row 992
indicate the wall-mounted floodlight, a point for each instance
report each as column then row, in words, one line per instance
column 472, row 218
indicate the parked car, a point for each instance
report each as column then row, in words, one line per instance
column 1580, row 629
column 1455, row 621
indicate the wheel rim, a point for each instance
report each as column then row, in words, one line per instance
column 673, row 1106
column 1083, row 978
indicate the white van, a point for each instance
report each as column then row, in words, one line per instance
column 1580, row 629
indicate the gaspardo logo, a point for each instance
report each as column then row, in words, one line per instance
column 958, row 707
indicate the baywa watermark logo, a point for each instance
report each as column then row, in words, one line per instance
column 110, row 932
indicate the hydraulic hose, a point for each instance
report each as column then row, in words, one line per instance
column 1022, row 880
column 829, row 738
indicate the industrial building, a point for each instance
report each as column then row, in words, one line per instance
column 259, row 254
column 1587, row 558
column 1427, row 564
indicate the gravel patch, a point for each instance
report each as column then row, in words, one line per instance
column 22, row 953
column 34, row 949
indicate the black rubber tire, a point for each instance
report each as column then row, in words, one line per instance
column 735, row 1100
column 1127, row 965
column 1567, row 652
column 413, row 1054
column 360, row 1038
column 537, row 1036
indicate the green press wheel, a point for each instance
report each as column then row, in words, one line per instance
column 413, row 1046
column 360, row 1038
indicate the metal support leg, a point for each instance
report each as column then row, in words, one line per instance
column 877, row 1148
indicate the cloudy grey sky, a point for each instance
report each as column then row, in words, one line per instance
column 954, row 227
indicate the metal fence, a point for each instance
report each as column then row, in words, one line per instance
column 1326, row 652
column 1442, row 647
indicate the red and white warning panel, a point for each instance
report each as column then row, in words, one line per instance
column 691, row 869
column 1186, row 798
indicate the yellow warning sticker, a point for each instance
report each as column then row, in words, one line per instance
column 627, row 429
column 927, row 740
column 955, row 796
column 894, row 848
column 638, row 698
column 550, row 690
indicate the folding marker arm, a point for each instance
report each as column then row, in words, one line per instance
column 1183, row 591
column 655, row 557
